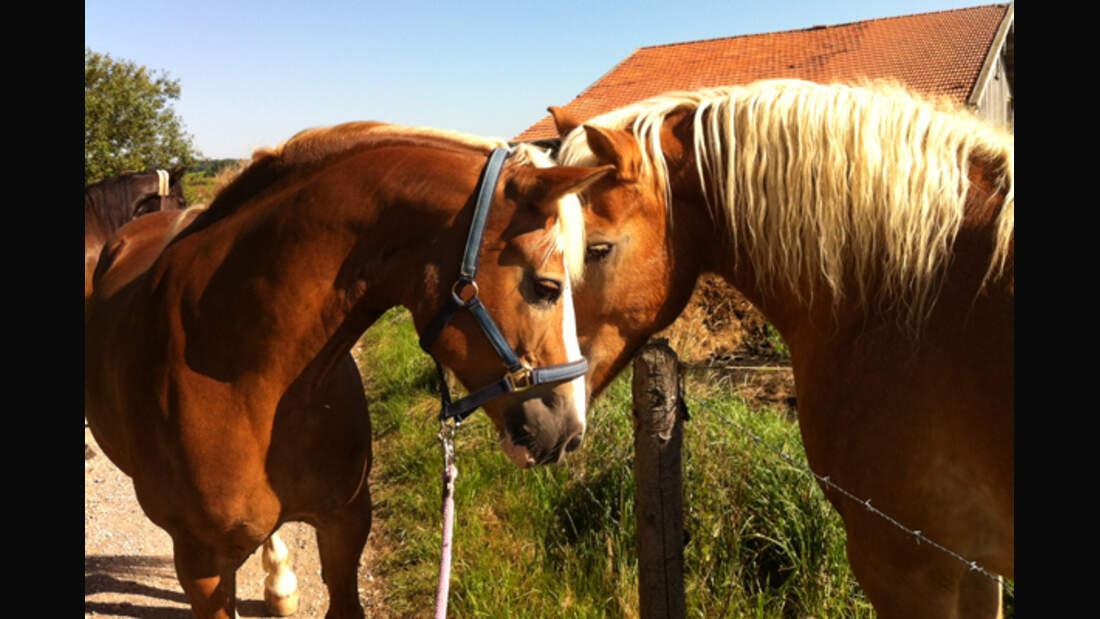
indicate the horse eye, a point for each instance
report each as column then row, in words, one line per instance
column 597, row 252
column 547, row 289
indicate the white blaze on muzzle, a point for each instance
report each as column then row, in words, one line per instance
column 573, row 348
column 520, row 455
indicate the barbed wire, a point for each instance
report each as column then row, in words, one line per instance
column 866, row 503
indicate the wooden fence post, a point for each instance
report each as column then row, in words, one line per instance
column 659, row 414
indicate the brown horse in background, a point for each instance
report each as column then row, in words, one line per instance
column 217, row 372
column 876, row 232
column 110, row 203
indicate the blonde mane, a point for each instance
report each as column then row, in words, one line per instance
column 822, row 182
column 312, row 146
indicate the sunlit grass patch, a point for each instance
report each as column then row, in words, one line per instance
column 560, row 540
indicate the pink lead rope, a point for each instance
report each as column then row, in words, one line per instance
column 450, row 472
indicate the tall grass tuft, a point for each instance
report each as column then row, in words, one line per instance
column 559, row 541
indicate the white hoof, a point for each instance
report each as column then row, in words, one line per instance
column 281, row 606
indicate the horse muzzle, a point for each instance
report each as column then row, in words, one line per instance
column 541, row 430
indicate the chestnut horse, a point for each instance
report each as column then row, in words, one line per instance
column 876, row 231
column 217, row 373
column 110, row 203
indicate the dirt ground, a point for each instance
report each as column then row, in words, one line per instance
column 128, row 569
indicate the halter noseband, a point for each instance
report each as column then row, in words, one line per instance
column 519, row 376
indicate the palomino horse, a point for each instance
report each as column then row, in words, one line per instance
column 876, row 232
column 110, row 203
column 219, row 378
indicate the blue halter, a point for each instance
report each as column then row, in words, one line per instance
column 519, row 376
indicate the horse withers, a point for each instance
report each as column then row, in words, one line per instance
column 111, row 202
column 875, row 230
column 219, row 378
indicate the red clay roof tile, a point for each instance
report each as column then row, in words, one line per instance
column 935, row 53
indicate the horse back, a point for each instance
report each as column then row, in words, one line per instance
column 134, row 248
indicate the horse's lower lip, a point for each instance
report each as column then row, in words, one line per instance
column 519, row 455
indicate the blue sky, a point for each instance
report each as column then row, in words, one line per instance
column 254, row 73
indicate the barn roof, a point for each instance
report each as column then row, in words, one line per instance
column 940, row 53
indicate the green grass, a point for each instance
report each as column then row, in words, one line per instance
column 776, row 341
column 559, row 541
column 767, row 543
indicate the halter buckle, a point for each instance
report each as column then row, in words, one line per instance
column 521, row 379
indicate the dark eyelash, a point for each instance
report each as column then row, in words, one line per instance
column 597, row 252
column 547, row 289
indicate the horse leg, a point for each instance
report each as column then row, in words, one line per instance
column 980, row 596
column 905, row 580
column 208, row 580
column 341, row 537
column 280, row 584
column 898, row 589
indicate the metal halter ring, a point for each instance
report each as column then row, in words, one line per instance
column 458, row 287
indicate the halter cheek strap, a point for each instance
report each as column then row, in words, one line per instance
column 519, row 376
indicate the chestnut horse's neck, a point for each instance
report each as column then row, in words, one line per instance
column 828, row 305
column 109, row 204
column 700, row 241
column 290, row 279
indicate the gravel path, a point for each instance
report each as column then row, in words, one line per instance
column 128, row 569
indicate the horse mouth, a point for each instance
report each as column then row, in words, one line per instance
column 520, row 455
column 522, row 452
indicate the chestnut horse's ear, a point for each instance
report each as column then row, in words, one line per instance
column 618, row 148
column 543, row 187
column 564, row 121
column 176, row 174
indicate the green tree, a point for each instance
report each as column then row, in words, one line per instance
column 128, row 123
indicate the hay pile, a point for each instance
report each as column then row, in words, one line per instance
column 723, row 335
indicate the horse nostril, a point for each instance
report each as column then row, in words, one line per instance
column 574, row 443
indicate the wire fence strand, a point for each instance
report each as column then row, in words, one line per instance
column 866, row 503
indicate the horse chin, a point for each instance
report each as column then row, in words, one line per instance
column 520, row 455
